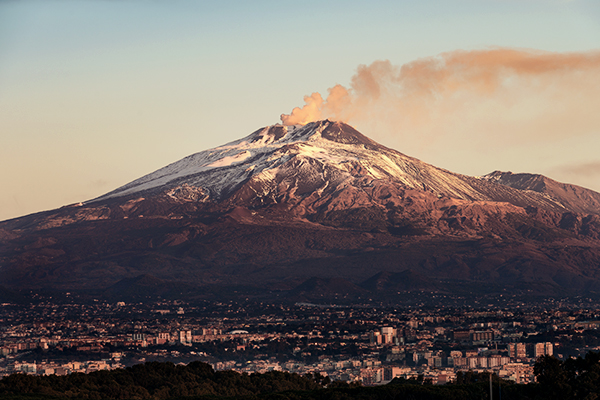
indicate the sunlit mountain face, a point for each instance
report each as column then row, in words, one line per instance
column 312, row 211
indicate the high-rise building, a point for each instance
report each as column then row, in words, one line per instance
column 388, row 334
column 517, row 350
column 375, row 338
column 549, row 348
column 539, row 350
column 511, row 349
column 185, row 337
column 542, row 349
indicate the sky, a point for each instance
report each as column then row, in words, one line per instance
column 97, row 93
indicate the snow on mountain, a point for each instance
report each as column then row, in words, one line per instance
column 310, row 160
column 289, row 203
column 261, row 154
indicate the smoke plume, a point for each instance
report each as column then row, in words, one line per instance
column 497, row 91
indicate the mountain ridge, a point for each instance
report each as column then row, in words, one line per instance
column 565, row 193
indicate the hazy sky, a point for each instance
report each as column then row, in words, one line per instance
column 94, row 94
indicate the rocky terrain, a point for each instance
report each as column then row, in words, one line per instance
column 312, row 212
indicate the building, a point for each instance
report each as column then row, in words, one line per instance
column 462, row 335
column 543, row 349
column 375, row 338
column 392, row 372
column 517, row 350
column 185, row 337
column 482, row 336
column 388, row 334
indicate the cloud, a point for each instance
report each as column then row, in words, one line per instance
column 512, row 94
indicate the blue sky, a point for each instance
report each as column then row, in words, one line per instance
column 94, row 94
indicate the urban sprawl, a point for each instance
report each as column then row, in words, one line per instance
column 370, row 344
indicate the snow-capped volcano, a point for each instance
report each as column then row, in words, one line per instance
column 273, row 149
column 319, row 203
column 280, row 162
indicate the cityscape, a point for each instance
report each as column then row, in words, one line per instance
column 364, row 344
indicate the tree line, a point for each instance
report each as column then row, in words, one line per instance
column 571, row 379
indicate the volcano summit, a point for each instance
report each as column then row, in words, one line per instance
column 311, row 212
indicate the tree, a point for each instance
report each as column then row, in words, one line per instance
column 553, row 378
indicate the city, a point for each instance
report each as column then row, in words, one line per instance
column 368, row 344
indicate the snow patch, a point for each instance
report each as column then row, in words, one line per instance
column 226, row 161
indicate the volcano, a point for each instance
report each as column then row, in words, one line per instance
column 288, row 206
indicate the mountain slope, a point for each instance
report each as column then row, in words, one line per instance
column 572, row 197
column 323, row 157
column 316, row 203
